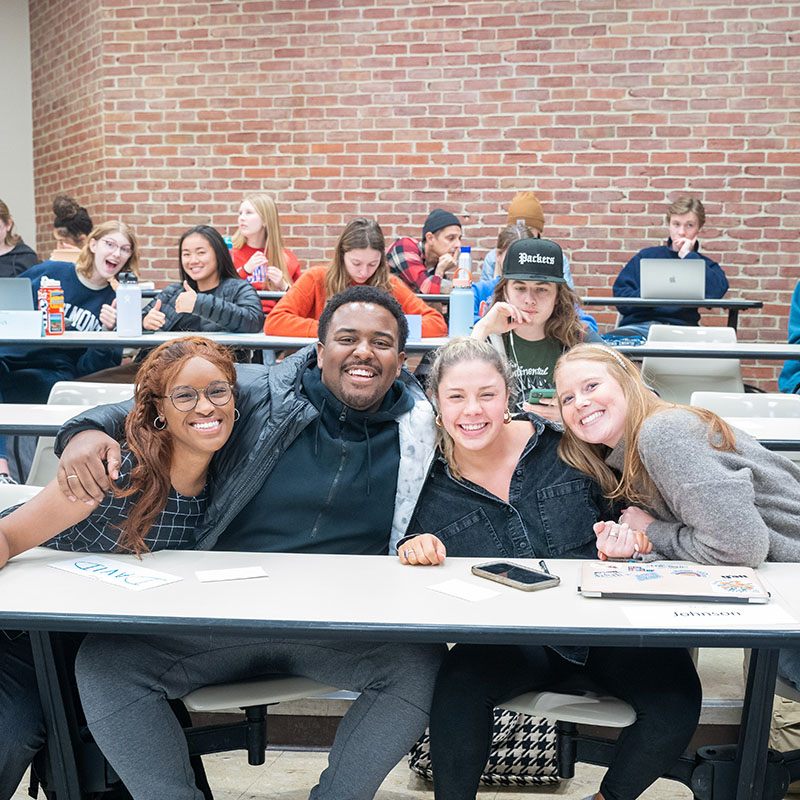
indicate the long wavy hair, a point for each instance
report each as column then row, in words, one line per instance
column 152, row 448
column 359, row 234
column 463, row 348
column 225, row 268
column 265, row 207
column 634, row 485
column 85, row 261
column 564, row 325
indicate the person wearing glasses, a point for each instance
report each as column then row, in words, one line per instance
column 27, row 374
column 184, row 411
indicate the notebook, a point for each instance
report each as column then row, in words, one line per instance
column 16, row 294
column 671, row 580
column 672, row 278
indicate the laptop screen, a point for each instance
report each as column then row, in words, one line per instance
column 673, row 278
column 16, row 294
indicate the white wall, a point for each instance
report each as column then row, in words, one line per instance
column 16, row 130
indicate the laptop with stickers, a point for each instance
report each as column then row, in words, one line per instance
column 671, row 580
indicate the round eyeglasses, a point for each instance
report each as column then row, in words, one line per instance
column 185, row 398
column 124, row 249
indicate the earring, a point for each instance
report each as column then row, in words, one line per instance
column 438, row 420
column 162, row 421
column 236, row 415
column 506, row 417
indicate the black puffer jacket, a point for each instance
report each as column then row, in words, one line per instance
column 233, row 306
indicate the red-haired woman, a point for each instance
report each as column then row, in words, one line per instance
column 183, row 413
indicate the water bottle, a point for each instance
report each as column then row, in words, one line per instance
column 228, row 242
column 129, row 306
column 462, row 300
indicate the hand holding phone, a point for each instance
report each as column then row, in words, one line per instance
column 536, row 395
column 516, row 576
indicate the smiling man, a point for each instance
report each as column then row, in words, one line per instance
column 329, row 456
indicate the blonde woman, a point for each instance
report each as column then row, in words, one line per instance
column 258, row 252
column 358, row 260
column 27, row 374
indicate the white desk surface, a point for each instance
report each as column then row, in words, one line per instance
column 769, row 429
column 743, row 350
column 259, row 340
column 36, row 419
column 373, row 596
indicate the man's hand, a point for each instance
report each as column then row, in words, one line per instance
column 108, row 315
column 685, row 246
column 184, row 302
column 500, row 318
column 445, row 263
column 154, row 319
column 81, row 472
column 424, row 550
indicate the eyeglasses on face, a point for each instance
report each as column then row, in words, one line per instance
column 124, row 249
column 185, row 398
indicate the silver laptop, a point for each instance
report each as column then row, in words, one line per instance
column 673, row 278
column 16, row 294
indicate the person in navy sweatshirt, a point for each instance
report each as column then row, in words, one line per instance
column 685, row 219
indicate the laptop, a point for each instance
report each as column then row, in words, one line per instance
column 672, row 278
column 16, row 294
column 671, row 580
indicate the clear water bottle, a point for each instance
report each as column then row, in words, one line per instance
column 462, row 302
column 129, row 306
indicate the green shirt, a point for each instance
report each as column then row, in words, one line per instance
column 533, row 363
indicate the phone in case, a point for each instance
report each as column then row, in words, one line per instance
column 524, row 578
column 538, row 394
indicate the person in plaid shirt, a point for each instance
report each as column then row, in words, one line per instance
column 424, row 263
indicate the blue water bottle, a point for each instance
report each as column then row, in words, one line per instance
column 228, row 242
column 462, row 302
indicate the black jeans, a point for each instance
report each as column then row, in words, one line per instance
column 660, row 683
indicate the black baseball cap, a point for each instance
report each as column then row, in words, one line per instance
column 534, row 260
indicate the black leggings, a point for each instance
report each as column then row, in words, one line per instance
column 660, row 683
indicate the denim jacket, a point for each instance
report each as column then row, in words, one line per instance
column 550, row 512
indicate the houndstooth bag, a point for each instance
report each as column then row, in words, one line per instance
column 523, row 752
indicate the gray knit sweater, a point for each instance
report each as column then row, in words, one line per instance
column 713, row 506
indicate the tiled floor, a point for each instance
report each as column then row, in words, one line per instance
column 289, row 775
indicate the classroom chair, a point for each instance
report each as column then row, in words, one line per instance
column 45, row 463
column 676, row 378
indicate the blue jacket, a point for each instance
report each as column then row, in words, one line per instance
column 628, row 284
column 789, row 379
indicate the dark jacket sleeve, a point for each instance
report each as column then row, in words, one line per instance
column 628, row 284
column 237, row 310
column 716, row 282
column 167, row 297
column 109, row 418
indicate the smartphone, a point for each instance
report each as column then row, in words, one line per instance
column 537, row 394
column 529, row 580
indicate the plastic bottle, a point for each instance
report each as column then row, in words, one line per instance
column 462, row 300
column 228, row 242
column 51, row 303
column 129, row 306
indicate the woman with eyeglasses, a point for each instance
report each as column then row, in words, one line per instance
column 27, row 374
column 209, row 295
column 183, row 413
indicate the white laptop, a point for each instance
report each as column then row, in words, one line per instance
column 672, row 278
column 16, row 294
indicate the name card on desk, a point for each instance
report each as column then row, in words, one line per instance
column 663, row 614
column 116, row 572
column 20, row 324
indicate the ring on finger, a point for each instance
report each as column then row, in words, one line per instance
column 71, row 476
column 405, row 553
column 613, row 535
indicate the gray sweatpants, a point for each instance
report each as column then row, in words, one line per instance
column 125, row 682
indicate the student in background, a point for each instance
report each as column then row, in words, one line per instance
column 15, row 255
column 72, row 224
column 258, row 252
column 685, row 219
column 498, row 490
column 28, row 373
column 789, row 379
column 209, row 295
column 533, row 319
column 427, row 265
column 358, row 260
column 156, row 502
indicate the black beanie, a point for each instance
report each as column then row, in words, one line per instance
column 438, row 219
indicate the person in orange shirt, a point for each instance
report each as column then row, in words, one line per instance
column 359, row 259
column 258, row 252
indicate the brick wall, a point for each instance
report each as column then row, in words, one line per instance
column 166, row 113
